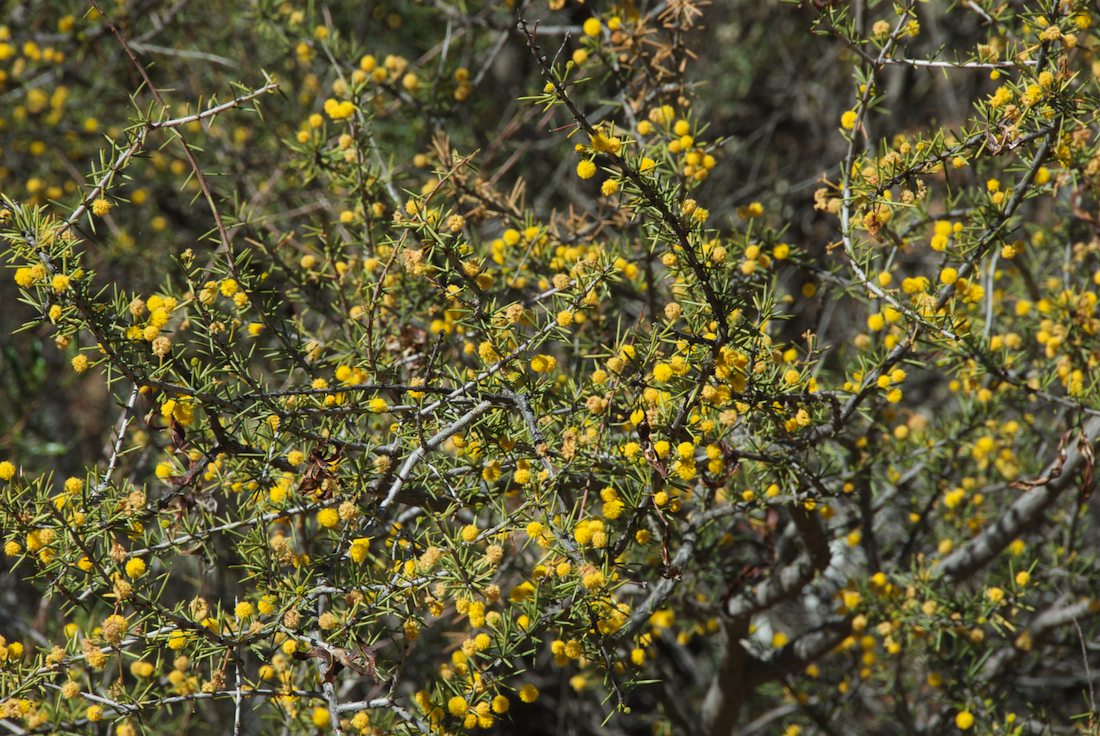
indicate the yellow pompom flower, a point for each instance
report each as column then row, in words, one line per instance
column 338, row 110
column 586, row 169
column 135, row 568
column 321, row 717
column 457, row 706
column 964, row 719
column 141, row 668
column 60, row 282
column 543, row 363
column 114, row 628
column 359, row 549
column 79, row 363
column 328, row 518
column 25, row 277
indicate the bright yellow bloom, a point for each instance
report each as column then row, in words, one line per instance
column 359, row 549
column 338, row 110
column 321, row 717
column 543, row 363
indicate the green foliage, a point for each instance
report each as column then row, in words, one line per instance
column 452, row 367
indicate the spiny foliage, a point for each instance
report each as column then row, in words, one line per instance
column 474, row 367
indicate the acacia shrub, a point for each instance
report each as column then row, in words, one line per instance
column 478, row 367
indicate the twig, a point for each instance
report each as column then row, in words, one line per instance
column 116, row 450
column 418, row 454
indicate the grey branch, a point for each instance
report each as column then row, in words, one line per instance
column 438, row 439
column 1023, row 512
